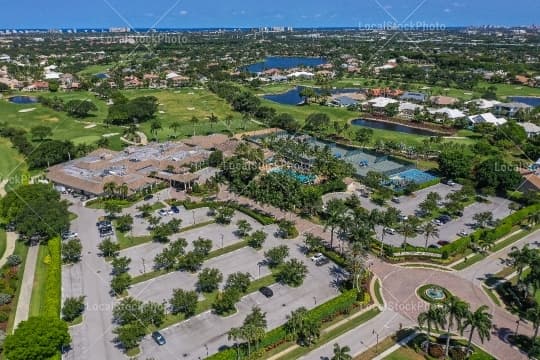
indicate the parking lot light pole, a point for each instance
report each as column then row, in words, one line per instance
column 518, row 321
column 377, row 343
column 206, row 347
column 222, row 240
column 144, row 266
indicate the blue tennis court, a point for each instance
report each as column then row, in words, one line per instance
column 414, row 175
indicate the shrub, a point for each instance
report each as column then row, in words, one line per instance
column 14, row 260
column 5, row 299
column 4, row 316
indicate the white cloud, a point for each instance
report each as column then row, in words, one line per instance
column 447, row 10
column 183, row 12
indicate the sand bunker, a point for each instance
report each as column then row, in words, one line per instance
column 27, row 110
column 90, row 126
column 110, row 135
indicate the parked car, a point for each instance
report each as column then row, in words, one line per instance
column 266, row 291
column 163, row 212
column 451, row 183
column 389, row 231
column 70, row 235
column 317, row 257
column 148, row 197
column 396, row 200
column 158, row 338
column 437, row 222
column 444, row 219
column 403, row 218
column 463, row 233
column 443, row 242
column 175, row 209
column 322, row 261
column 433, row 246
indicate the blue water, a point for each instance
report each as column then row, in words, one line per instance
column 22, row 100
column 529, row 100
column 292, row 97
column 393, row 127
column 283, row 62
column 302, row 178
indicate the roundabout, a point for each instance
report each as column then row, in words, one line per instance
column 433, row 294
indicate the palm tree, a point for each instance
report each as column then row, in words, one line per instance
column 213, row 120
column 407, row 230
column 533, row 314
column 341, row 353
column 155, row 126
column 109, row 189
column 433, row 319
column 533, row 219
column 123, row 190
column 455, row 311
column 245, row 119
column 335, row 210
column 194, row 121
column 430, row 231
column 521, row 258
column 479, row 320
column 174, row 126
column 235, row 334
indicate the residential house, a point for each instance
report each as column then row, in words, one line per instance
column 132, row 82
column 378, row 105
column 531, row 129
column 484, row 104
column 510, row 109
column 301, row 75
column 486, row 118
column 414, row 96
column 407, row 110
column 531, row 181
column 450, row 114
column 37, row 86
column 443, row 100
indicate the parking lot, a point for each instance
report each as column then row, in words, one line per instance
column 408, row 205
column 142, row 256
column 206, row 333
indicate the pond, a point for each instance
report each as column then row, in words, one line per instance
column 529, row 100
column 21, row 100
column 292, row 97
column 284, row 63
column 380, row 125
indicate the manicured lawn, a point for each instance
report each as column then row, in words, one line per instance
column 40, row 281
column 3, row 242
column 404, row 353
column 22, row 250
column 12, row 164
column 378, row 292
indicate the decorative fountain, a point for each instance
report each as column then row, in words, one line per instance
column 435, row 293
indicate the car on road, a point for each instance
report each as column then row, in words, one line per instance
column 322, row 261
column 317, row 257
column 148, row 197
column 158, row 338
column 396, row 200
column 266, row 291
column 70, row 235
column 389, row 231
column 175, row 209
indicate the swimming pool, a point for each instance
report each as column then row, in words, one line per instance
column 302, row 178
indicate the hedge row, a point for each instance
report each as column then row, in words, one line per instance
column 257, row 215
column 51, row 306
column 323, row 313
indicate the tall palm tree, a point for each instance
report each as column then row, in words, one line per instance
column 235, row 334
column 533, row 219
column 533, row 314
column 335, row 211
column 521, row 258
column 109, row 189
column 213, row 120
column 174, row 126
column 407, row 230
column 479, row 321
column 155, row 126
column 430, row 231
column 455, row 311
column 123, row 190
column 433, row 318
column 341, row 353
column 194, row 121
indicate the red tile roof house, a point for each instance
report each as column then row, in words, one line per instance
column 37, row 86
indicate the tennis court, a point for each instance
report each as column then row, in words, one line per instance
column 412, row 176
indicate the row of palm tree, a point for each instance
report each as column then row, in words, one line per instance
column 456, row 314
column 111, row 190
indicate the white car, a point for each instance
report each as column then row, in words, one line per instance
column 317, row 257
column 463, row 233
column 390, row 231
column 437, row 222
column 163, row 212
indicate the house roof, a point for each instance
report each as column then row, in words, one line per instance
column 530, row 128
column 451, row 113
column 488, row 118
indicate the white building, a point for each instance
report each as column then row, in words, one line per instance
column 487, row 118
column 531, row 129
column 484, row 104
column 302, row 74
column 451, row 114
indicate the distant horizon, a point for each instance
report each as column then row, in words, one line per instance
column 242, row 14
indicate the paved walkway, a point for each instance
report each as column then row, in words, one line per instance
column 11, row 239
column 23, row 305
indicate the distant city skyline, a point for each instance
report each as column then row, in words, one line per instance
column 436, row 14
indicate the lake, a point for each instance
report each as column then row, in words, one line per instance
column 529, row 100
column 284, row 63
column 292, row 97
column 22, row 100
column 393, row 127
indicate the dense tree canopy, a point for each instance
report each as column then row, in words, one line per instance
column 140, row 109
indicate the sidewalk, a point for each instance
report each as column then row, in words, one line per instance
column 25, row 295
column 11, row 239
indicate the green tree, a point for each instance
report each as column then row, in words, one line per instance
column 244, row 227
column 41, row 132
column 341, row 353
column 108, row 248
column 433, row 318
column 333, row 217
column 130, row 335
column 124, row 223
column 209, row 280
column 430, row 231
column 276, row 255
column 73, row 308
column 455, row 162
column 313, row 243
column 112, row 209
column 155, row 126
column 455, row 311
column 120, row 265
column 533, row 314
column 120, row 283
column 303, row 327
column 174, row 126
column 239, row 281
column 213, row 119
column 184, row 302
column 226, row 300
column 80, row 108
column 479, row 321
column 317, row 122
column 293, row 273
column 202, row 246
column 38, row 338
column 257, row 239
column 71, row 251
column 363, row 136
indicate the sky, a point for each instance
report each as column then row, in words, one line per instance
column 23, row 14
